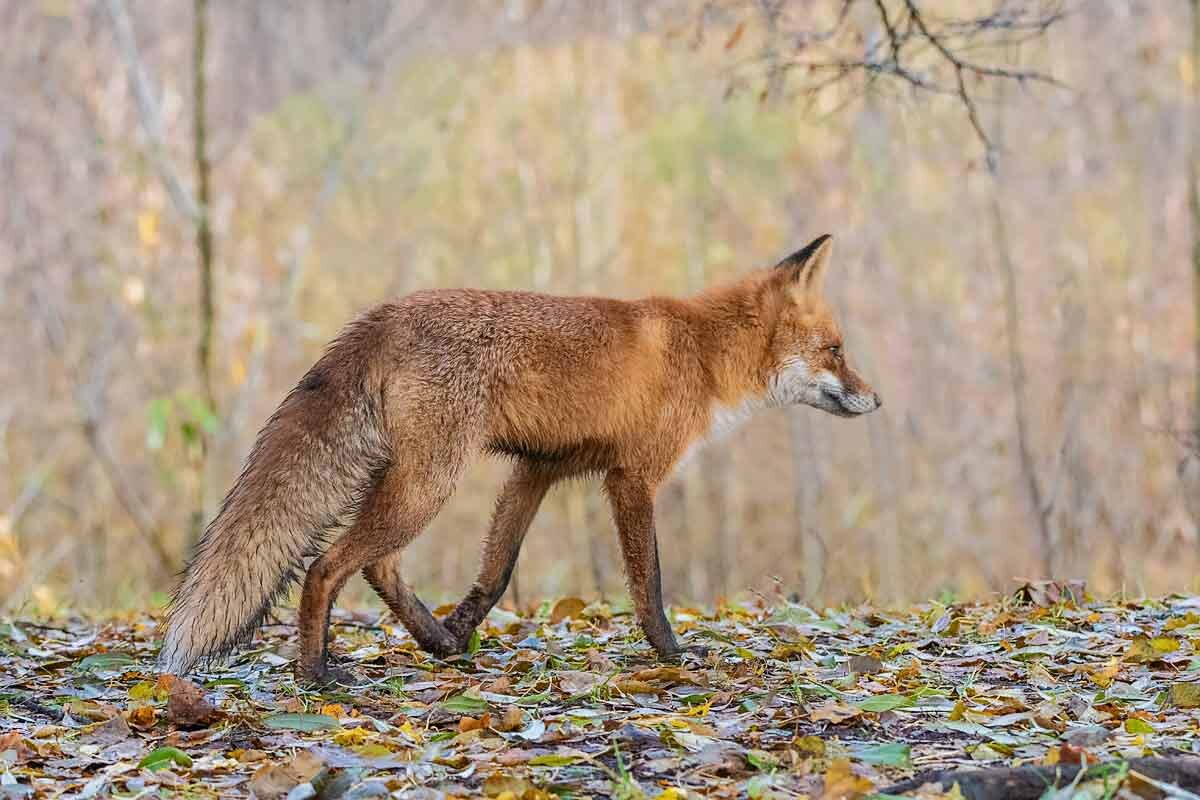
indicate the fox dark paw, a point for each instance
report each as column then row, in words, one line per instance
column 437, row 641
column 328, row 677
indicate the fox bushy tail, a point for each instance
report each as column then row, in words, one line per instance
column 309, row 465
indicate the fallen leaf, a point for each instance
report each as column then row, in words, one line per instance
column 1184, row 695
column 510, row 720
column 566, row 608
column 833, row 711
column 300, row 722
column 107, row 733
column 575, row 682
column 186, row 704
column 864, row 665
column 840, row 783
column 143, row 718
column 165, row 757
column 21, row 750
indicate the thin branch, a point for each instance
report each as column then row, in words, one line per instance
column 148, row 109
column 910, row 34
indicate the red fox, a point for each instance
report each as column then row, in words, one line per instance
column 380, row 428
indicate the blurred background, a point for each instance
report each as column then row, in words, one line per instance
column 197, row 194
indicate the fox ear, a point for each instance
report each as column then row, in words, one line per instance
column 806, row 265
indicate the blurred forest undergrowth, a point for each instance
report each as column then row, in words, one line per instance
column 1030, row 328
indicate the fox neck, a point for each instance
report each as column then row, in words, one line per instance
column 734, row 329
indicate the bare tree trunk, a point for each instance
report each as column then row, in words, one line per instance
column 1016, row 358
column 805, row 482
column 1194, row 200
column 204, row 248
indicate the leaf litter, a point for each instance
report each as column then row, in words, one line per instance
column 785, row 701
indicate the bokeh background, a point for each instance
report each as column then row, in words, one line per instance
column 1014, row 269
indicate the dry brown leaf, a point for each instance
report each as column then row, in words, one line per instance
column 833, row 711
column 566, row 608
column 634, row 686
column 186, row 704
column 107, row 733
column 143, row 718
column 12, row 742
column 474, row 723
column 512, row 719
column 577, row 682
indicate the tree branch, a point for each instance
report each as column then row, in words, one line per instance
column 148, row 109
column 909, row 35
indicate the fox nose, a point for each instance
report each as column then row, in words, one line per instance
column 878, row 400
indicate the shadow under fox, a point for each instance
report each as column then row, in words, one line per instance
column 380, row 428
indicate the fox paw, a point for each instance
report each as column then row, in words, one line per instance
column 328, row 676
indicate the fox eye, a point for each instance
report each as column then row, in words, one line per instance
column 835, row 350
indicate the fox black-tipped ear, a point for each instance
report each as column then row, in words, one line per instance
column 806, row 265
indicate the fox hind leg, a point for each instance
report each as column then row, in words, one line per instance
column 396, row 509
column 385, row 578
column 515, row 510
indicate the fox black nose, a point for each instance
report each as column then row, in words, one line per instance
column 878, row 401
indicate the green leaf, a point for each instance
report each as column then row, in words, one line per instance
column 106, row 662
column 199, row 411
column 761, row 761
column 1135, row 725
column 158, row 412
column 893, row 754
column 553, row 760
column 164, row 757
column 884, row 702
column 474, row 642
column 533, row 699
column 465, row 704
column 301, row 722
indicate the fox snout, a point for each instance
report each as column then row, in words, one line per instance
column 847, row 396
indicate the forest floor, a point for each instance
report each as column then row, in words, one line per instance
column 568, row 702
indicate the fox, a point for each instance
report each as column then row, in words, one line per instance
column 373, row 438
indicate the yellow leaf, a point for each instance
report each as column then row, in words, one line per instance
column 237, row 371
column 809, row 746
column 332, row 710
column 147, row 227
column 351, row 737
column 146, row 691
column 1184, row 695
column 671, row 793
column 1104, row 677
column 842, row 784
column 372, row 750
column 1187, row 70
column 791, row 650
column 1142, row 650
column 411, row 733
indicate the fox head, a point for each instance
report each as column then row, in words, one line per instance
column 805, row 360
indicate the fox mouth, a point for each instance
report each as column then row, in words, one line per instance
column 848, row 405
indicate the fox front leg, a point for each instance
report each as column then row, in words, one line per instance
column 632, row 500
